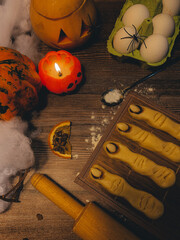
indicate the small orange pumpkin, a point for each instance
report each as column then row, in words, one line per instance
column 19, row 84
column 63, row 23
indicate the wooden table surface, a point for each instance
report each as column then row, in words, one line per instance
column 90, row 119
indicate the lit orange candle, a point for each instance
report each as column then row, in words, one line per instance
column 60, row 72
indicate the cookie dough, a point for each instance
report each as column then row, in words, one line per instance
column 155, row 119
column 118, row 186
column 162, row 176
column 149, row 141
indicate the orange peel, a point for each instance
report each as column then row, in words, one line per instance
column 59, row 139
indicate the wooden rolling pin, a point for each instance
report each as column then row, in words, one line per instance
column 91, row 222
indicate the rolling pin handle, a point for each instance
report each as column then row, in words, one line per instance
column 91, row 222
column 57, row 195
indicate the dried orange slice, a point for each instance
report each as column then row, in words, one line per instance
column 59, row 139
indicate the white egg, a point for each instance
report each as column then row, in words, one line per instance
column 155, row 48
column 171, row 7
column 123, row 41
column 163, row 24
column 135, row 15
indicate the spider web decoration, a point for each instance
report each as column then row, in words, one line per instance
column 16, row 30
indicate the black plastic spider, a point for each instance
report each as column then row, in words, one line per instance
column 135, row 37
column 93, row 28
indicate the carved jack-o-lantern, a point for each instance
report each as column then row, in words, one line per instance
column 63, row 23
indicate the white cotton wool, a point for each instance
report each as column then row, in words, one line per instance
column 9, row 12
column 15, row 123
column 15, row 153
column 28, row 45
column 16, row 30
column 5, row 186
column 15, row 149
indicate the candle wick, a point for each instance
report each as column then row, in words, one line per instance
column 60, row 74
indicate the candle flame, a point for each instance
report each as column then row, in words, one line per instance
column 58, row 69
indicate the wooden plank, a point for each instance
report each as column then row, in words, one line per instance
column 89, row 121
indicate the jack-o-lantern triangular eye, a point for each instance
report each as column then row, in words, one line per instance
column 62, row 36
column 84, row 28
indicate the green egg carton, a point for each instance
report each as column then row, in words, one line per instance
column 146, row 29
